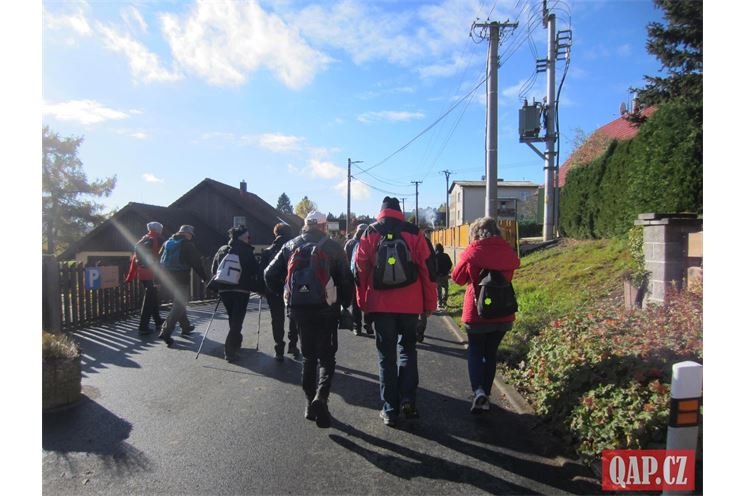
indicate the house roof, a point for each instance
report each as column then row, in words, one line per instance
column 500, row 184
column 619, row 129
column 262, row 211
column 120, row 225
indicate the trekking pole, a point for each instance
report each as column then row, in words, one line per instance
column 258, row 326
column 208, row 327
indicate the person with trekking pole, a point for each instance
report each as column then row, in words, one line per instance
column 235, row 292
column 312, row 272
column 178, row 256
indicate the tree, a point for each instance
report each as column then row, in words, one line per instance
column 304, row 206
column 679, row 46
column 283, row 204
column 66, row 217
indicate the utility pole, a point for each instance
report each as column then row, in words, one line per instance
column 403, row 203
column 492, row 204
column 349, row 191
column 447, row 173
column 549, row 205
column 416, row 202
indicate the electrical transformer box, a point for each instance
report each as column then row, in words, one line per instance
column 530, row 121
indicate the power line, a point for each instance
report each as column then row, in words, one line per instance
column 426, row 129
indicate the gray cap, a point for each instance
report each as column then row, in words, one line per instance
column 155, row 226
column 186, row 229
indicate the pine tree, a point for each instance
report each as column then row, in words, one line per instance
column 66, row 217
column 679, row 46
column 283, row 204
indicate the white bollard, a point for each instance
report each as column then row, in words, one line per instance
column 685, row 407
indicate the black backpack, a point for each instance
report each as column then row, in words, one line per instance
column 394, row 265
column 494, row 295
column 309, row 283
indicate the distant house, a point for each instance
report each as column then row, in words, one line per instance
column 620, row 129
column 468, row 199
column 211, row 207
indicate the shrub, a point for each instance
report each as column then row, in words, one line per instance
column 601, row 377
column 57, row 346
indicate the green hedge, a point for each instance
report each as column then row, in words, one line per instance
column 660, row 170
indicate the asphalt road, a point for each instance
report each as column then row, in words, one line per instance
column 157, row 421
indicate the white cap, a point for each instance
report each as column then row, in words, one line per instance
column 315, row 217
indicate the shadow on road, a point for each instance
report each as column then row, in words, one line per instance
column 88, row 428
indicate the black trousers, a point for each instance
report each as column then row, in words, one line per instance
column 319, row 342
column 357, row 315
column 277, row 311
column 235, row 303
column 150, row 305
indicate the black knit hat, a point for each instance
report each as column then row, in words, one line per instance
column 237, row 232
column 391, row 203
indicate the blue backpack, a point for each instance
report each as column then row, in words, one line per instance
column 171, row 257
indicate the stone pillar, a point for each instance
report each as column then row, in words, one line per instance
column 666, row 251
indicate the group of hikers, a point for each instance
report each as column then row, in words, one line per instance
column 387, row 271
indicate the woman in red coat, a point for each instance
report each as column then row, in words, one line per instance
column 487, row 251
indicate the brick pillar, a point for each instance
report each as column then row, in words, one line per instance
column 666, row 251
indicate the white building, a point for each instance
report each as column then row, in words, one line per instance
column 468, row 199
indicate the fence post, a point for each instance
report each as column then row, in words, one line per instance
column 50, row 294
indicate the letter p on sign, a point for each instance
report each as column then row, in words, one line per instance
column 92, row 278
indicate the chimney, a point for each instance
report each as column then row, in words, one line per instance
column 243, row 188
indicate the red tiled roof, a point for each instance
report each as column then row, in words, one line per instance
column 596, row 144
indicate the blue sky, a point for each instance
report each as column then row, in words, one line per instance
column 280, row 93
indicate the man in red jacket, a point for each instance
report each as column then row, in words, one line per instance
column 488, row 251
column 396, row 285
column 143, row 265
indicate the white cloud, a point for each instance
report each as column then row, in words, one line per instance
column 443, row 70
column 141, row 135
column 292, row 169
column 324, row 170
column 150, row 178
column 280, row 142
column 226, row 41
column 358, row 190
column 145, row 65
column 82, row 111
column 134, row 19
column 389, row 115
column 76, row 21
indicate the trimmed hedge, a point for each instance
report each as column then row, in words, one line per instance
column 660, row 170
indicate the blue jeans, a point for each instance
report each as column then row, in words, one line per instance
column 482, row 358
column 395, row 334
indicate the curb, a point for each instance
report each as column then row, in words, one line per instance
column 517, row 403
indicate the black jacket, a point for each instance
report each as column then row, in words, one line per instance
column 444, row 264
column 250, row 273
column 276, row 272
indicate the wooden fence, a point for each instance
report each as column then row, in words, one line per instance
column 67, row 304
column 457, row 237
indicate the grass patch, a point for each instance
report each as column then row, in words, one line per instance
column 555, row 282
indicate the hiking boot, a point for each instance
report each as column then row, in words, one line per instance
column 479, row 400
column 280, row 357
column 231, row 357
column 369, row 328
column 143, row 330
column 357, row 331
column 165, row 337
column 320, row 408
column 388, row 419
column 310, row 412
column 294, row 351
column 409, row 410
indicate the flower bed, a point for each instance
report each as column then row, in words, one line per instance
column 601, row 378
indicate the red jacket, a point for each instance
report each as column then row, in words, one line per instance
column 143, row 272
column 492, row 253
column 416, row 298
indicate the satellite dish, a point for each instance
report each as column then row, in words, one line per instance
column 624, row 111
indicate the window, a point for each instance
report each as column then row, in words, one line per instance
column 239, row 221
